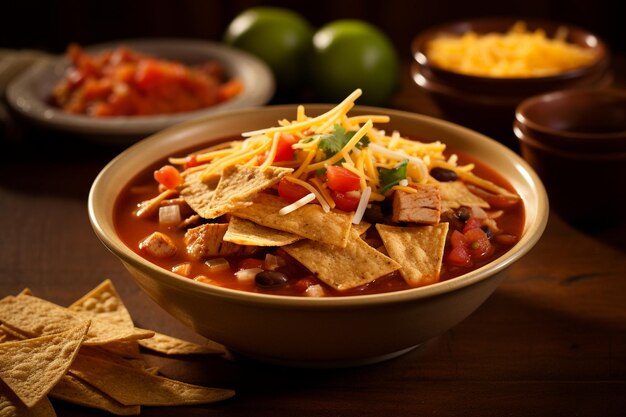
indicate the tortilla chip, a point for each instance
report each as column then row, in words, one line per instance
column 11, row 406
column 343, row 268
column 35, row 317
column 131, row 386
column 197, row 193
column 245, row 232
column 126, row 349
column 106, row 303
column 361, row 228
column 418, row 249
column 455, row 194
column 309, row 221
column 32, row 367
column 170, row 345
column 236, row 186
column 75, row 391
column 8, row 334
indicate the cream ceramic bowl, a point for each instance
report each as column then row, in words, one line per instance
column 314, row 332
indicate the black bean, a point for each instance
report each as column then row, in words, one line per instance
column 463, row 214
column 443, row 174
column 487, row 231
column 270, row 279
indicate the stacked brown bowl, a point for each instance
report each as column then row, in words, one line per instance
column 576, row 141
column 486, row 103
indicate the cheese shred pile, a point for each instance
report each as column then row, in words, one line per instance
column 517, row 53
column 362, row 149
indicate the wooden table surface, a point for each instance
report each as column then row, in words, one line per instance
column 551, row 340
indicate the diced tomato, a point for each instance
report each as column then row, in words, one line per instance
column 468, row 247
column 149, row 74
column 459, row 256
column 346, row 201
column 191, row 161
column 472, row 223
column 250, row 263
column 303, row 283
column 168, row 176
column 478, row 244
column 291, row 191
column 284, row 151
column 457, row 239
column 229, row 90
column 341, row 179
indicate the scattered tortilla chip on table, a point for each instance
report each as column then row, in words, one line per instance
column 169, row 345
column 309, row 221
column 49, row 357
column 418, row 249
column 106, row 303
column 132, row 386
column 35, row 317
column 11, row 406
column 343, row 268
column 32, row 367
column 246, row 232
column 75, row 391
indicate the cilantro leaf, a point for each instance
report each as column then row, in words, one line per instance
column 332, row 143
column 390, row 177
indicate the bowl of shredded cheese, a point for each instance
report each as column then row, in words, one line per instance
column 477, row 71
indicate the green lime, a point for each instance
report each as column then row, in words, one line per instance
column 351, row 54
column 278, row 36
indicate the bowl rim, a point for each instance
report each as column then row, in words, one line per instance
column 533, row 232
column 521, row 113
column 419, row 41
column 22, row 92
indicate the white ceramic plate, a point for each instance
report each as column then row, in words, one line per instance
column 29, row 92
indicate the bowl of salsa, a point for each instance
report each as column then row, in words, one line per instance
column 318, row 235
column 125, row 90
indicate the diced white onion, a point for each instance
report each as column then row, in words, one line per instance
column 272, row 262
column 246, row 275
column 404, row 182
column 360, row 209
column 217, row 264
column 169, row 215
column 353, row 194
column 479, row 213
column 183, row 269
column 297, row 204
column 315, row 290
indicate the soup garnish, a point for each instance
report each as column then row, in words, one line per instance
column 321, row 206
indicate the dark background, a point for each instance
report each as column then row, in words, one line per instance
column 51, row 25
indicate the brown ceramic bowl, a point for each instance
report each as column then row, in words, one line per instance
column 486, row 103
column 576, row 141
column 305, row 331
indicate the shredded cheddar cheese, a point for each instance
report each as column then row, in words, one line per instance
column 517, row 53
column 334, row 138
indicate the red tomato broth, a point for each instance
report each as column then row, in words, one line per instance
column 143, row 187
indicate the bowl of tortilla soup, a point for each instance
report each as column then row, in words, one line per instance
column 318, row 235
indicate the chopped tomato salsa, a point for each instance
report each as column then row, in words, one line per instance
column 123, row 82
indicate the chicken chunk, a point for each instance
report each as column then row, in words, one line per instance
column 158, row 245
column 423, row 207
column 207, row 241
